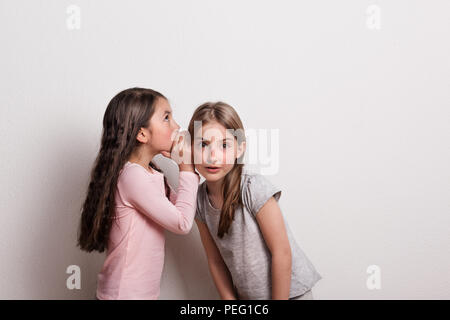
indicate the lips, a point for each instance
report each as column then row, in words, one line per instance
column 212, row 169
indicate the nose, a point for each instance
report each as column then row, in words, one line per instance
column 212, row 156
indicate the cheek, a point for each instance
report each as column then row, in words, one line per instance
column 166, row 135
column 162, row 138
column 169, row 133
column 225, row 156
column 198, row 155
column 229, row 156
column 227, row 168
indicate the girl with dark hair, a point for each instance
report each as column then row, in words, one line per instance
column 129, row 204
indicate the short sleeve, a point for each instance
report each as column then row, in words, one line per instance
column 257, row 190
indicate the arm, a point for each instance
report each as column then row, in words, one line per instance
column 272, row 226
column 144, row 193
column 172, row 196
column 173, row 193
column 219, row 271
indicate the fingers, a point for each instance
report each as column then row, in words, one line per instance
column 175, row 139
column 180, row 148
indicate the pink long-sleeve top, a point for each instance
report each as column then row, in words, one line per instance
column 135, row 254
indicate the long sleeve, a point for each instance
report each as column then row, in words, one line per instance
column 172, row 195
column 145, row 192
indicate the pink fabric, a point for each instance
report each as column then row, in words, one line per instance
column 135, row 255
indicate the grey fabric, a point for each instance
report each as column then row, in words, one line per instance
column 306, row 296
column 244, row 249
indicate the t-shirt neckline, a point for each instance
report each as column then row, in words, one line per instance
column 209, row 202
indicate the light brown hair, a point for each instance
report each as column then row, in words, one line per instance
column 227, row 116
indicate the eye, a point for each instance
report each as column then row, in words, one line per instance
column 225, row 145
column 203, row 144
column 166, row 118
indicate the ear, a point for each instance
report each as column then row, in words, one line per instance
column 241, row 149
column 143, row 135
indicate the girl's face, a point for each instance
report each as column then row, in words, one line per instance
column 215, row 151
column 162, row 126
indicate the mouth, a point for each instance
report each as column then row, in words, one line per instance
column 212, row 169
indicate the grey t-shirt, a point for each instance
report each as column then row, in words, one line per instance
column 244, row 249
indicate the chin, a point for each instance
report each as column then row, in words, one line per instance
column 210, row 176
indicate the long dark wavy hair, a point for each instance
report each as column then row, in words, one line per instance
column 231, row 188
column 127, row 112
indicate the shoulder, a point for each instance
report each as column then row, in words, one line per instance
column 252, row 180
column 137, row 169
column 256, row 189
column 201, row 192
column 200, row 209
column 133, row 173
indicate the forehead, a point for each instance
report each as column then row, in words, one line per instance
column 213, row 129
column 162, row 106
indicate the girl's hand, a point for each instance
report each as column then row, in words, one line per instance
column 180, row 151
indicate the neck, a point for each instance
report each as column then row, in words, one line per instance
column 143, row 157
column 215, row 188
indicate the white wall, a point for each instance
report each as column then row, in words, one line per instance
column 363, row 116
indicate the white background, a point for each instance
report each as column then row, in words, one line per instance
column 363, row 116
